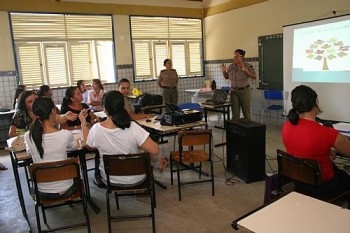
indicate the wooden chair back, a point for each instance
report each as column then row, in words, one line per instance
column 299, row 169
column 127, row 165
column 194, row 137
column 55, row 171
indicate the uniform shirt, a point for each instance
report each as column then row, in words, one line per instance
column 21, row 120
column 308, row 139
column 117, row 141
column 94, row 97
column 55, row 149
column 238, row 77
column 168, row 78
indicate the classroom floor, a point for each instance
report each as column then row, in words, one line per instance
column 197, row 212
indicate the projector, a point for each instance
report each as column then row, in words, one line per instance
column 180, row 118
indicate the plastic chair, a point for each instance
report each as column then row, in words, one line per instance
column 185, row 159
column 129, row 165
column 275, row 100
column 57, row 171
column 192, row 106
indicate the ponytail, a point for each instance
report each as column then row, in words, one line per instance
column 42, row 108
column 293, row 116
column 121, row 119
column 36, row 134
column 65, row 103
column 113, row 102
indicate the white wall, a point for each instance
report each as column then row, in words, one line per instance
column 241, row 28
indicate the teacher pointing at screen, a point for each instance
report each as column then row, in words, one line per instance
column 239, row 73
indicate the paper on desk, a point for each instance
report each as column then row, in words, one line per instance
column 343, row 128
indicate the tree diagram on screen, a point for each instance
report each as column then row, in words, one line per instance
column 323, row 50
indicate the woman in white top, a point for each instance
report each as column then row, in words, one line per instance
column 117, row 135
column 46, row 143
column 95, row 95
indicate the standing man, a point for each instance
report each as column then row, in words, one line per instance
column 239, row 73
column 168, row 80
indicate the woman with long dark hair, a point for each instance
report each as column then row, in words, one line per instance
column 306, row 138
column 46, row 143
column 117, row 135
column 17, row 93
column 83, row 89
column 95, row 95
column 24, row 117
column 72, row 101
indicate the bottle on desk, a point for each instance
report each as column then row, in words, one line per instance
column 213, row 85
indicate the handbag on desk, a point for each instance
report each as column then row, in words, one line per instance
column 18, row 144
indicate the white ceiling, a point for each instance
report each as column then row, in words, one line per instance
column 167, row 3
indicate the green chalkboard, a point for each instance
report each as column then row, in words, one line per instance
column 271, row 62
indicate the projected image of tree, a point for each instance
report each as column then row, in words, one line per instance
column 322, row 50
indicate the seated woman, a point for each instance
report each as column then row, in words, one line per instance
column 46, row 91
column 46, row 143
column 24, row 117
column 124, row 88
column 17, row 93
column 304, row 137
column 83, row 89
column 95, row 95
column 73, row 102
column 117, row 135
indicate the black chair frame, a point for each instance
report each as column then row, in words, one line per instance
column 145, row 188
column 38, row 199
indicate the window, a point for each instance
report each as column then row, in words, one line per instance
column 60, row 49
column 157, row 38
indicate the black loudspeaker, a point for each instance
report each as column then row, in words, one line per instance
column 246, row 149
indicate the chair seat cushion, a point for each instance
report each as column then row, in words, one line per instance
column 193, row 156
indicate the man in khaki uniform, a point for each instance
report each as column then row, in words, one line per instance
column 239, row 73
column 168, row 80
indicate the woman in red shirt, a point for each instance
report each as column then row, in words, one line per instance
column 306, row 138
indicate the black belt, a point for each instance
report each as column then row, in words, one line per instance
column 240, row 88
column 169, row 87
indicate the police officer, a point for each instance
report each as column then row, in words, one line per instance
column 168, row 80
column 239, row 73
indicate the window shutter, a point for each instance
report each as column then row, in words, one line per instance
column 181, row 28
column 56, row 64
column 194, row 50
column 80, row 58
column 179, row 58
column 89, row 27
column 160, row 54
column 30, row 65
column 105, row 60
column 149, row 28
column 26, row 26
column 142, row 58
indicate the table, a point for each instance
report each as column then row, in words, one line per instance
column 220, row 108
column 20, row 159
column 298, row 213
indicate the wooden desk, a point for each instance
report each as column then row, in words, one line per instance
column 298, row 213
column 162, row 130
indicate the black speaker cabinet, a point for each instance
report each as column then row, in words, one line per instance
column 246, row 149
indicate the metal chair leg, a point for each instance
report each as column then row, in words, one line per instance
column 44, row 215
column 116, row 200
column 212, row 178
column 37, row 218
column 171, row 170
column 178, row 182
column 86, row 215
column 108, row 213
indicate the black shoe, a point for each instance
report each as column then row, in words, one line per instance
column 98, row 182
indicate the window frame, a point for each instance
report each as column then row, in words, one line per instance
column 93, row 41
column 169, row 41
